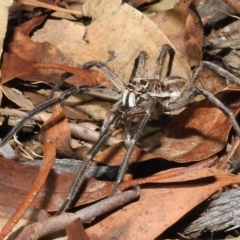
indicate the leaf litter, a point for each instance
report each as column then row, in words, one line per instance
column 116, row 34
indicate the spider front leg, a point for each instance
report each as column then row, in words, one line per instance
column 111, row 76
column 80, row 177
column 43, row 106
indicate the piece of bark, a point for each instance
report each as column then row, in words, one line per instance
column 221, row 214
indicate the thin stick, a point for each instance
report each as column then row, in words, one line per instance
column 42, row 106
column 169, row 174
column 56, row 223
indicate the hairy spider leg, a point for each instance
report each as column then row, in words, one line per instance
column 166, row 51
column 111, row 76
column 80, row 177
column 42, row 106
column 59, row 83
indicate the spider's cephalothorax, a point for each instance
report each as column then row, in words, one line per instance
column 139, row 97
column 144, row 89
column 165, row 93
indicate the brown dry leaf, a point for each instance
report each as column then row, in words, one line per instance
column 75, row 231
column 28, row 26
column 17, row 97
column 56, row 129
column 159, row 208
column 16, row 179
column 211, row 81
column 180, row 22
column 170, row 173
column 233, row 4
column 197, row 133
column 25, row 56
column 48, row 160
column 109, row 38
column 23, row 47
column 14, row 67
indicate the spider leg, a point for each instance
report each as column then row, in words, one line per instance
column 59, row 83
column 222, row 107
column 132, row 141
column 140, row 70
column 107, row 119
column 80, row 177
column 42, row 106
column 111, row 76
column 181, row 102
column 222, row 72
column 189, row 93
column 161, row 60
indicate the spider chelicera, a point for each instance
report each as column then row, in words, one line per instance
column 138, row 98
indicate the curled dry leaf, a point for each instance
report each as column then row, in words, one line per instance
column 56, row 129
column 16, row 67
column 159, row 208
column 35, row 62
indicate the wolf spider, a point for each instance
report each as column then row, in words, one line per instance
column 138, row 98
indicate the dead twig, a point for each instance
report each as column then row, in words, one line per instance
column 56, row 223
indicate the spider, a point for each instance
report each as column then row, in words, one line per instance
column 138, row 98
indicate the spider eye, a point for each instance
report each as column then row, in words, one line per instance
column 134, row 82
